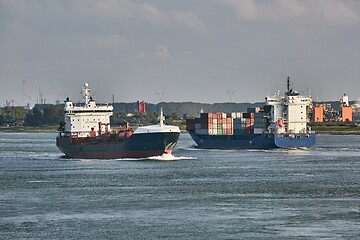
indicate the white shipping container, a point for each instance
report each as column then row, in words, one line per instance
column 236, row 115
column 215, row 131
column 258, row 130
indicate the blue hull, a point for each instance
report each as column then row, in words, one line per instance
column 295, row 141
column 263, row 141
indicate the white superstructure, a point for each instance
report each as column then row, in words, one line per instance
column 289, row 112
column 87, row 119
column 345, row 100
column 159, row 128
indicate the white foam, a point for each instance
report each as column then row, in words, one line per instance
column 169, row 157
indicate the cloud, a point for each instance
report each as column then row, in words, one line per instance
column 107, row 10
column 118, row 9
column 122, row 9
column 324, row 12
column 190, row 20
column 162, row 53
column 107, row 41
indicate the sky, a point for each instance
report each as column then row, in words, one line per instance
column 206, row 51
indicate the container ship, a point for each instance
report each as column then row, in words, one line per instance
column 86, row 133
column 280, row 123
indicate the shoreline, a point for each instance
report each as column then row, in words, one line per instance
column 26, row 129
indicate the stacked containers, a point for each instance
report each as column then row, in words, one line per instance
column 259, row 121
column 190, row 124
column 228, row 126
column 198, row 126
column 213, row 124
column 235, row 123
column 239, row 123
column 249, row 121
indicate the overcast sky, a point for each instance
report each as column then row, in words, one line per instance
column 180, row 50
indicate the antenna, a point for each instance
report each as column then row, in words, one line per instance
column 161, row 123
column 288, row 84
column 23, row 92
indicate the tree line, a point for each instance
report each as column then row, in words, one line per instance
column 38, row 116
column 51, row 115
column 175, row 112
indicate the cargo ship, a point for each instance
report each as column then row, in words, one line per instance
column 280, row 123
column 86, row 133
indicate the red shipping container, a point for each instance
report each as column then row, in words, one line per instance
column 248, row 122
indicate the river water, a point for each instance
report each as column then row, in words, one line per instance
column 196, row 194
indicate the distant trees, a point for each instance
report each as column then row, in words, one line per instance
column 47, row 115
column 34, row 117
column 13, row 116
column 40, row 115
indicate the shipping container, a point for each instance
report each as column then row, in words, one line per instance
column 258, row 130
column 202, row 131
column 211, row 131
column 236, row 115
column 248, row 115
column 215, row 131
column 190, row 124
column 204, row 115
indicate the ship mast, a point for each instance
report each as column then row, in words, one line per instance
column 86, row 94
column 288, row 84
column 161, row 123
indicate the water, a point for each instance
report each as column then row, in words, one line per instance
column 195, row 194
